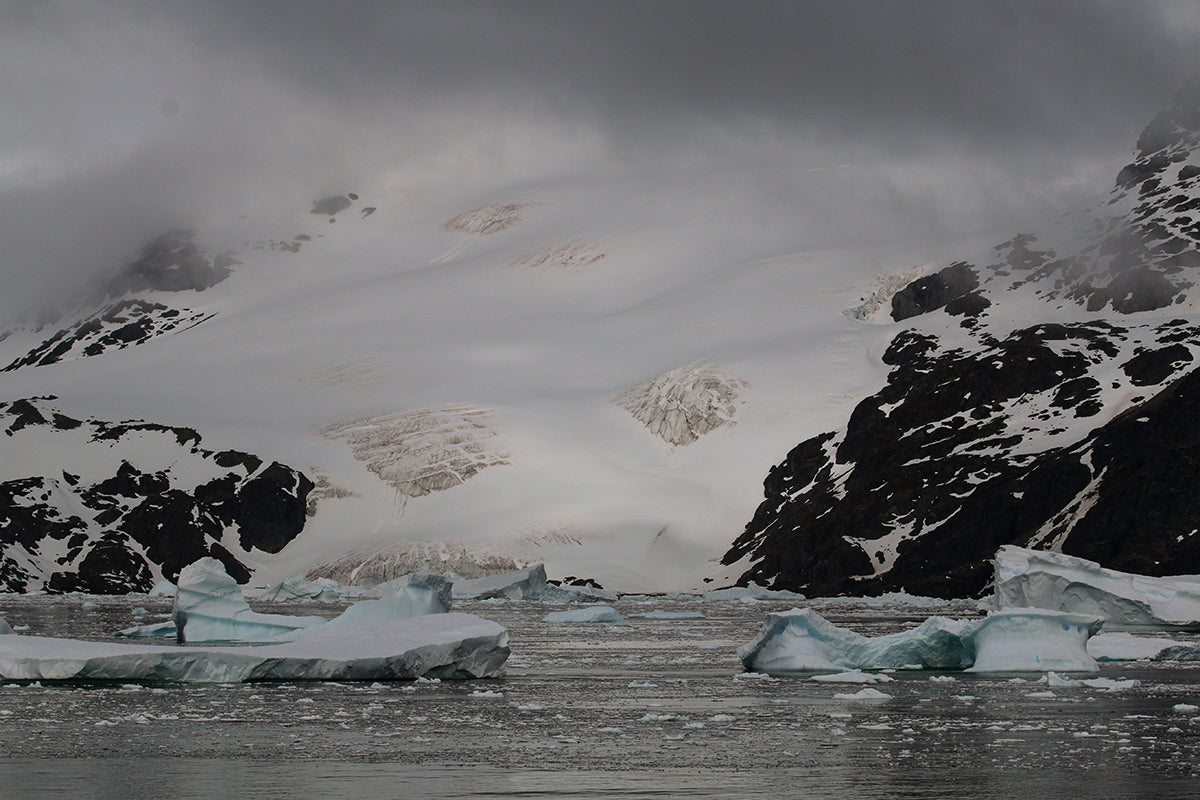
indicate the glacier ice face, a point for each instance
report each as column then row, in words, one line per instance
column 801, row 640
column 433, row 646
column 209, row 607
column 1031, row 640
column 588, row 614
column 1125, row 601
column 524, row 584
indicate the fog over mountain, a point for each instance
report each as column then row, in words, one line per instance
column 895, row 119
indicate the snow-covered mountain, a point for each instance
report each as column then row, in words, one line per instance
column 596, row 371
column 1045, row 397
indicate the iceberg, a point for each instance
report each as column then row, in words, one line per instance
column 209, row 607
column 445, row 646
column 589, row 614
column 213, row 609
column 412, row 596
column 1031, row 640
column 1125, row 601
column 555, row 593
column 297, row 587
column 801, row 640
column 5, row 628
column 162, row 589
column 524, row 584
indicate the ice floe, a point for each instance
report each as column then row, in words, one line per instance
column 1125, row 601
column 431, row 646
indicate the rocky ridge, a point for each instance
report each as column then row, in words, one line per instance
column 1075, row 434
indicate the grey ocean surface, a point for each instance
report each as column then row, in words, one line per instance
column 652, row 708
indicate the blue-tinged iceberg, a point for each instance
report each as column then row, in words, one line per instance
column 1018, row 640
column 432, row 646
column 209, row 607
column 1125, row 601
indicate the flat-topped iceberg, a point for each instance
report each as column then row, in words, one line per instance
column 587, row 614
column 1031, row 639
column 434, row 646
column 524, row 584
column 1125, row 601
column 801, row 640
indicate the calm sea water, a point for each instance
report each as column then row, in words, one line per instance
column 648, row 709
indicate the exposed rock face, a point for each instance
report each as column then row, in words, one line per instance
column 683, row 404
column 123, row 520
column 934, row 291
column 1074, row 436
column 172, row 262
column 121, row 324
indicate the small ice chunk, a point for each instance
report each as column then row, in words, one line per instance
column 1185, row 708
column 586, row 614
column 852, row 676
column 866, row 693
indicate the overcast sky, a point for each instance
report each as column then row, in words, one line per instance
column 120, row 119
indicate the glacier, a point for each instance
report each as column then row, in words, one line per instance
column 444, row 646
column 1125, row 601
column 1018, row 640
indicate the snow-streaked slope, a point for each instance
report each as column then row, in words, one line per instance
column 457, row 377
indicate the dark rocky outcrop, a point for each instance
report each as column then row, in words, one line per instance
column 137, row 525
column 934, row 291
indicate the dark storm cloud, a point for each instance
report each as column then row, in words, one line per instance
column 117, row 119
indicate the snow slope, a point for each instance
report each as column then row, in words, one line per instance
column 593, row 372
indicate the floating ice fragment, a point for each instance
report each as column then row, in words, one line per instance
column 866, row 693
column 852, row 676
column 1184, row 708
column 487, row 694
column 587, row 614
